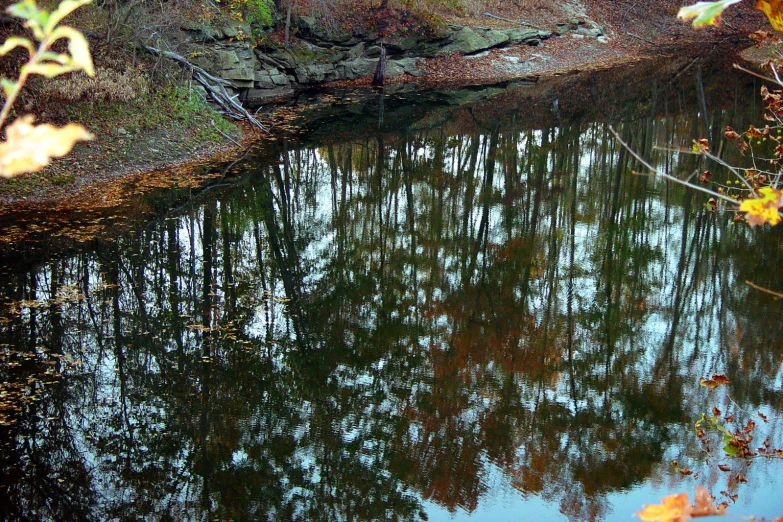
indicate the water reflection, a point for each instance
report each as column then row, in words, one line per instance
column 366, row 328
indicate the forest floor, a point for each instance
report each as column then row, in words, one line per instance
column 95, row 175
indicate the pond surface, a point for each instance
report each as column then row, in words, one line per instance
column 474, row 309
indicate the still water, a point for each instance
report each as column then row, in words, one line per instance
column 458, row 305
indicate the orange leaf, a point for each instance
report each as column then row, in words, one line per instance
column 674, row 508
column 704, row 504
column 774, row 11
column 717, row 380
column 763, row 209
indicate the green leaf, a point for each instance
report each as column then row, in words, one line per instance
column 7, row 85
column 64, row 9
column 731, row 450
column 27, row 10
column 14, row 42
column 727, row 436
column 705, row 13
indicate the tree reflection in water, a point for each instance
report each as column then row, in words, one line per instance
column 365, row 326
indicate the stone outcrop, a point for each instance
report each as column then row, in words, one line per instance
column 268, row 71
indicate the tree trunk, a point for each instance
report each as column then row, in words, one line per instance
column 380, row 71
column 286, row 33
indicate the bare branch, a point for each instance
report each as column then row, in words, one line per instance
column 669, row 177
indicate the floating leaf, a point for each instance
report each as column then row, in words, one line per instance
column 705, row 505
column 774, row 11
column 705, row 13
column 28, row 147
column 717, row 380
column 674, row 508
column 763, row 209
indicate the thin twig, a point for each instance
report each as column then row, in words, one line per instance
column 640, row 38
column 232, row 140
column 777, row 295
column 669, row 177
column 752, row 73
column 520, row 22
column 717, row 160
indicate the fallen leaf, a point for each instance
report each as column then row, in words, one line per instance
column 674, row 508
column 705, row 504
column 717, row 380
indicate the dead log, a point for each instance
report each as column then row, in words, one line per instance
column 215, row 87
column 380, row 70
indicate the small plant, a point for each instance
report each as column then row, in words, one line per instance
column 28, row 147
column 107, row 84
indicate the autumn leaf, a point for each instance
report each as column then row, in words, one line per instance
column 763, row 209
column 774, row 11
column 717, row 380
column 674, row 508
column 705, row 504
column 705, row 13
column 29, row 148
column 677, row 508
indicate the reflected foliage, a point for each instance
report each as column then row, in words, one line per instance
column 358, row 329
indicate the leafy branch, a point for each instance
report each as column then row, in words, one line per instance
column 28, row 147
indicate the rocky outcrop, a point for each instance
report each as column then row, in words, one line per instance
column 260, row 72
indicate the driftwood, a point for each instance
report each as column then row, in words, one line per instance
column 520, row 22
column 215, row 87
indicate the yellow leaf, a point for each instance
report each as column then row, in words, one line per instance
column 763, row 209
column 14, row 42
column 774, row 11
column 29, row 148
column 675, row 508
column 78, row 47
column 705, row 13
column 48, row 69
column 64, row 9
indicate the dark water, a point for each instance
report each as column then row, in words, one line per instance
column 474, row 310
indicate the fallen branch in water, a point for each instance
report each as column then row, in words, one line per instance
column 520, row 22
column 215, row 87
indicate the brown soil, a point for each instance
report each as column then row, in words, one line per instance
column 93, row 176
